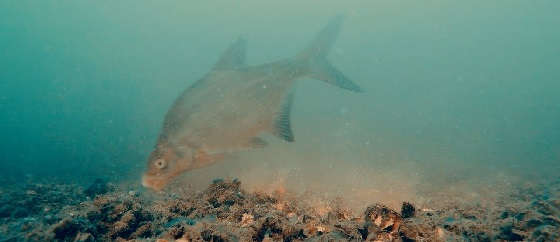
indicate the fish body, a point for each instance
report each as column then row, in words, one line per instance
column 226, row 110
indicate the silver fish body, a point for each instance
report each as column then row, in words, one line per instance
column 233, row 104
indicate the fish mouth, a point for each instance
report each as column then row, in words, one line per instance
column 153, row 182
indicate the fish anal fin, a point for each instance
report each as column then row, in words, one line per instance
column 281, row 126
column 234, row 56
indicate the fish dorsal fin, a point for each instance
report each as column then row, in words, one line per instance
column 234, row 56
column 281, row 126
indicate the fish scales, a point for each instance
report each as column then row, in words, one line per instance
column 226, row 110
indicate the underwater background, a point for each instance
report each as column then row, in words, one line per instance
column 460, row 96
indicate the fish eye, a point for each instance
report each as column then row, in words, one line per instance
column 160, row 163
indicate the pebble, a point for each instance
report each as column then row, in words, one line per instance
column 440, row 233
column 247, row 220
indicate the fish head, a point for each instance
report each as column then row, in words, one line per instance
column 165, row 163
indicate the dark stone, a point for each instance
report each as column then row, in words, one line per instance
column 506, row 233
column 350, row 229
column 363, row 232
column 504, row 215
column 269, row 226
column 6, row 211
column 405, row 238
column 208, row 235
column 545, row 233
column 551, row 220
column 177, row 232
column 483, row 237
column 66, row 229
column 93, row 215
column 297, row 235
column 407, row 210
column 98, row 187
column 145, row 230
column 84, row 237
column 543, row 207
column 534, row 223
column 20, row 212
column 520, row 216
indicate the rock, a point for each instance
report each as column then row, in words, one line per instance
column 440, row 233
column 408, row 210
column 555, row 203
column 507, row 233
column 84, row 237
column 209, row 235
column 143, row 231
column 350, row 229
column 224, row 193
column 380, row 237
column 543, row 207
column 267, row 239
column 67, row 228
column 533, row 223
column 247, row 220
column 545, row 233
column 293, row 233
column 224, row 211
column 20, row 212
column 50, row 219
column 269, row 226
column 380, row 218
column 98, row 187
column 6, row 211
column 179, row 221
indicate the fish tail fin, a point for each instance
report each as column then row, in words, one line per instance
column 315, row 57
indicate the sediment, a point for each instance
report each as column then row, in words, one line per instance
column 225, row 212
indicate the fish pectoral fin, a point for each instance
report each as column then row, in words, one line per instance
column 234, row 56
column 282, row 127
column 204, row 158
column 253, row 143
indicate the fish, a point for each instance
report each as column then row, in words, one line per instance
column 230, row 107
